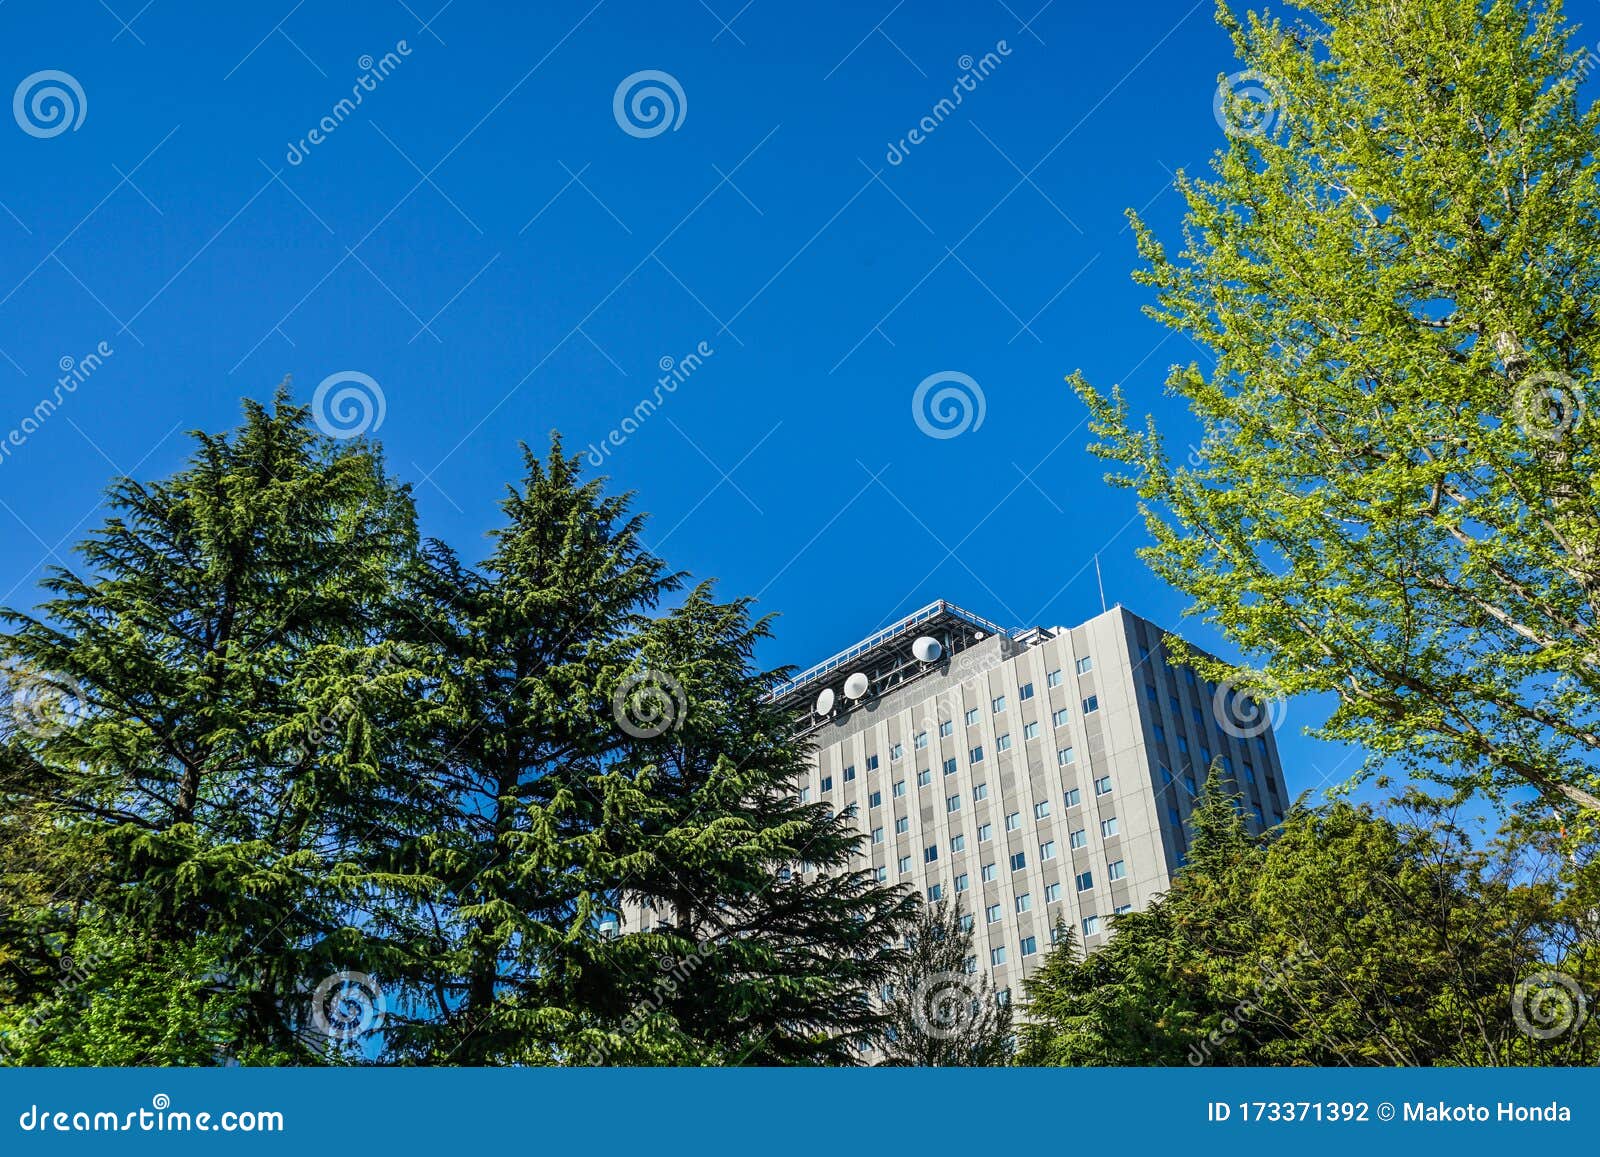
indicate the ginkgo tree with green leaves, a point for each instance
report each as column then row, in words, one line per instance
column 1392, row 269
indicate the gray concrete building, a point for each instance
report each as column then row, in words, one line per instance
column 1039, row 776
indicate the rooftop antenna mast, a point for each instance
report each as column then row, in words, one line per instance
column 1101, row 581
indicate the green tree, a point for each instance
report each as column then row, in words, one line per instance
column 578, row 751
column 941, row 1014
column 1392, row 494
column 189, row 726
column 1351, row 938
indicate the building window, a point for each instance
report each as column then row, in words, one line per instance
column 924, row 777
column 992, row 913
column 1025, row 692
column 877, row 835
column 975, row 755
column 1047, row 850
column 1003, row 997
column 1102, row 786
column 827, row 783
column 1065, row 756
column 1030, row 731
column 920, row 740
column 947, row 726
column 988, row 873
column 985, row 833
column 1091, row 705
column 875, row 799
column 1041, row 810
column 905, row 864
column 902, row 825
column 881, row 875
column 1183, row 744
column 1188, row 782
column 950, row 766
column 849, row 773
column 1260, row 819
column 1053, row 679
column 1013, row 821
column 1091, row 925
column 1161, row 733
column 1024, row 902
column 896, row 751
column 936, row 892
column 872, row 763
column 1083, row 881
column 1052, row 893
column 1249, row 773
column 1166, row 776
column 1172, row 817
column 1071, row 797
column 972, row 717
column 1122, row 909
column 1205, row 755
column 958, row 843
column 972, row 961
column 952, row 803
column 1085, row 665
column 1108, row 828
column 1151, row 693
column 997, row 704
column 1003, row 742
column 961, row 886
column 1117, row 870
column 1030, row 945
column 930, row 854
column 997, row 956
column 899, row 788
column 1060, row 717
column 805, row 795
column 1079, row 838
column 1019, row 860
column 980, row 792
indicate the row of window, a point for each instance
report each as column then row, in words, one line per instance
column 997, row 705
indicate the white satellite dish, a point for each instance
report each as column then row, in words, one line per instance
column 856, row 686
column 927, row 649
column 825, row 701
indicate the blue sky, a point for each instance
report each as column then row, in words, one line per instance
column 484, row 239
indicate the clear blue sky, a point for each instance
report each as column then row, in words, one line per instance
column 484, row 240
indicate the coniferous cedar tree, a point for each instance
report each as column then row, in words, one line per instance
column 1392, row 497
column 264, row 737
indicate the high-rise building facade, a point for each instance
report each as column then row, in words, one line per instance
column 1040, row 777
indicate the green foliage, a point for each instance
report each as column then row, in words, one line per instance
column 282, row 785
column 1392, row 494
column 939, row 1013
column 1350, row 938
